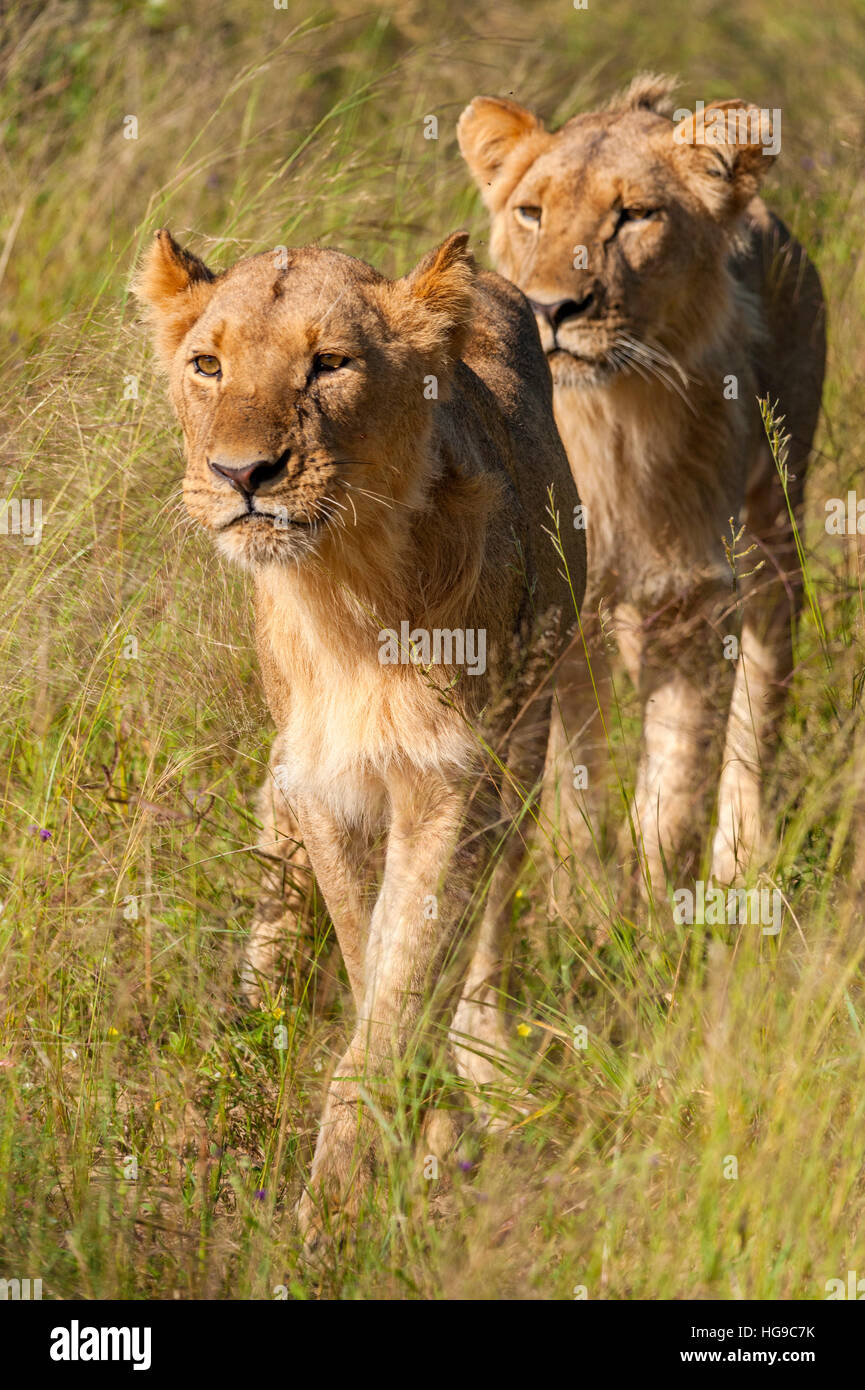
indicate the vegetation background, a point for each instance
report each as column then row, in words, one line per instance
column 153, row 1137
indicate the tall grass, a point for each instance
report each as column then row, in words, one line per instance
column 154, row 1137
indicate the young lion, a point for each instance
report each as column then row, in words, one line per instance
column 380, row 454
column 667, row 298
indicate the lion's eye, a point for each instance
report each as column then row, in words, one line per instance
column 636, row 214
column 206, row 365
column 329, row 361
column 529, row 215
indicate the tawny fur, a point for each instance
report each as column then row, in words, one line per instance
column 688, row 282
column 408, row 484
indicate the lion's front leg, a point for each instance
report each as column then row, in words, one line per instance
column 280, row 924
column 686, row 682
column 772, row 599
column 344, row 1161
column 422, row 904
column 580, row 776
column 755, row 709
column 478, row 1028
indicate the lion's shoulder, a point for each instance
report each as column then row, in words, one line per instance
column 504, row 348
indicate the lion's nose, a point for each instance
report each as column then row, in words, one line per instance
column 561, row 309
column 251, row 476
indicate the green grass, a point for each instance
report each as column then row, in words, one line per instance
column 121, row 931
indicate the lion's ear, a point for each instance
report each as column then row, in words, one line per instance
column 488, row 131
column 724, row 151
column 174, row 285
column 441, row 298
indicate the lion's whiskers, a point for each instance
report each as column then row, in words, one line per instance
column 654, row 360
column 388, row 502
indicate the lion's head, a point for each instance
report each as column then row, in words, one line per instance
column 617, row 227
column 301, row 379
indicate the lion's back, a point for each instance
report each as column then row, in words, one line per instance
column 789, row 360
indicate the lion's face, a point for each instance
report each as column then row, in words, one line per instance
column 616, row 228
column 298, row 379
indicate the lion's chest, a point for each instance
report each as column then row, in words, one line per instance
column 347, row 722
column 655, row 510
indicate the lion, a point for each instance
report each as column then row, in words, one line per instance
column 668, row 298
column 381, row 456
column 280, row 941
